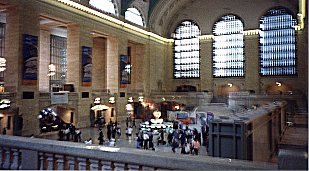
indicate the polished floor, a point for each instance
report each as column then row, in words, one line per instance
column 93, row 133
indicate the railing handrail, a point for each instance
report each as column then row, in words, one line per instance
column 129, row 155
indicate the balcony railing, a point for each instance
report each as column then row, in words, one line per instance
column 41, row 154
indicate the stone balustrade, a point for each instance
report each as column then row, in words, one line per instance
column 41, row 154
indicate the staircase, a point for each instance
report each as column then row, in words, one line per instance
column 293, row 147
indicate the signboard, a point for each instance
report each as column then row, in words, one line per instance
column 30, row 57
column 59, row 98
column 86, row 65
column 125, row 71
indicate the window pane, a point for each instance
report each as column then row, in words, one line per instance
column 104, row 5
column 58, row 52
column 186, row 51
column 277, row 43
column 134, row 16
column 228, row 44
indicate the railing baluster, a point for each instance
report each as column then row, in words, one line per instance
column 94, row 164
column 119, row 166
column 6, row 164
column 81, row 163
column 71, row 162
column 106, row 165
column 50, row 161
column 1, row 157
column 133, row 167
column 41, row 155
column 16, row 161
column 59, row 161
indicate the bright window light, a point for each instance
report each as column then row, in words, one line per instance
column 228, row 44
column 104, row 5
column 277, row 43
column 133, row 15
column 187, row 50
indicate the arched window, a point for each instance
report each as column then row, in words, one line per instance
column 277, row 43
column 228, row 47
column 104, row 5
column 187, row 50
column 133, row 15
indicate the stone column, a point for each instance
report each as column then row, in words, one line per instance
column 12, row 54
column 44, row 60
column 252, row 78
column 99, row 69
column 206, row 65
column 74, row 56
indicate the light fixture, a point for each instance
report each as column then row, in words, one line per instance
column 111, row 100
column 278, row 84
column 97, row 100
column 51, row 70
column 130, row 99
column 2, row 64
column 230, row 84
column 141, row 99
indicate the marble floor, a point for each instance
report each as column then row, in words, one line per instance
column 93, row 133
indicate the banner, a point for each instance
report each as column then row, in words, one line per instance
column 86, row 66
column 30, row 57
column 125, row 71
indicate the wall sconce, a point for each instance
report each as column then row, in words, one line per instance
column 51, row 69
column 230, row 84
column 97, row 100
column 141, row 99
column 111, row 100
column 278, row 84
column 130, row 99
column 2, row 64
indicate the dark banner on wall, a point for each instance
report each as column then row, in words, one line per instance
column 86, row 65
column 30, row 57
column 125, row 71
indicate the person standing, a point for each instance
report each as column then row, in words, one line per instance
column 196, row 146
column 101, row 138
column 146, row 139
column 109, row 131
column 4, row 131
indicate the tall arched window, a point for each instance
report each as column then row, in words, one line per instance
column 104, row 5
column 133, row 15
column 58, row 57
column 187, row 50
column 228, row 47
column 277, row 43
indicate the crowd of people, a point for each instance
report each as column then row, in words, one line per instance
column 188, row 140
column 70, row 133
column 181, row 137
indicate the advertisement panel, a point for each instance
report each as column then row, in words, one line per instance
column 30, row 57
column 86, row 66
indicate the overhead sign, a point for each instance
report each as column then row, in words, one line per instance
column 59, row 98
